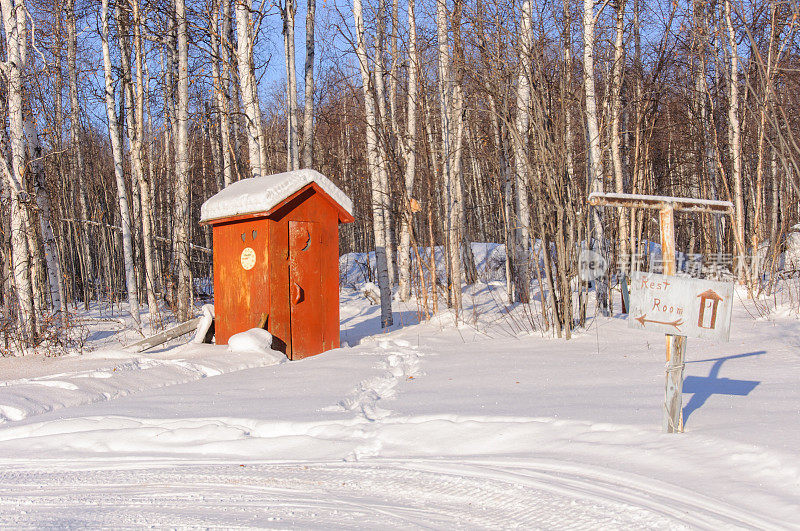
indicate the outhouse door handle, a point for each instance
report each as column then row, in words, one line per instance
column 297, row 296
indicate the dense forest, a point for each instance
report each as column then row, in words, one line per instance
column 447, row 122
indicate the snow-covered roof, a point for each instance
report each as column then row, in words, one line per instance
column 261, row 194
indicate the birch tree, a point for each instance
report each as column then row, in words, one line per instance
column 373, row 163
column 288, row 12
column 228, row 49
column 408, row 147
column 308, row 112
column 734, row 136
column 13, row 68
column 451, row 114
column 382, row 146
column 116, row 149
column 87, row 265
column 616, row 117
column 247, row 79
column 219, row 67
column 46, row 294
column 767, row 75
column 595, row 154
column 55, row 277
column 184, row 299
column 522, row 123
column 134, row 96
column 569, row 150
column 706, row 145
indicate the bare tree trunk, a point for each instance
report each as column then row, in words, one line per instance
column 83, row 230
column 231, row 88
column 706, row 127
column 221, row 96
column 262, row 135
column 211, row 129
column 548, row 272
column 735, row 134
column 638, row 133
column 184, row 302
column 575, row 225
column 466, row 258
column 569, row 168
column 767, row 75
column 145, row 190
column 116, row 148
column 55, row 277
column 373, row 163
column 451, row 107
column 776, row 203
column 522, row 124
column 308, row 113
column 61, row 255
column 34, row 253
column 508, row 202
column 20, row 255
column 247, row 81
column 170, row 134
column 382, row 118
column 135, row 98
column 595, row 152
column 616, row 137
column 288, row 11
column 408, row 145
column 150, row 140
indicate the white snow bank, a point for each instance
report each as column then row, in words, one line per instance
column 100, row 376
column 256, row 340
column 259, row 194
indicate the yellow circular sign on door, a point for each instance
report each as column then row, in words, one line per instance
column 248, row 258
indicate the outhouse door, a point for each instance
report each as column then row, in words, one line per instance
column 305, row 288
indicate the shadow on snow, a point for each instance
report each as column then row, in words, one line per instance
column 355, row 328
column 703, row 387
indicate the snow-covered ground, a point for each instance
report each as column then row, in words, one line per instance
column 427, row 425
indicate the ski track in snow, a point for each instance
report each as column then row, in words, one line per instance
column 378, row 494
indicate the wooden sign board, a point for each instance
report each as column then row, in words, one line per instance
column 681, row 306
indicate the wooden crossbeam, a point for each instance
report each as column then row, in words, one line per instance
column 686, row 204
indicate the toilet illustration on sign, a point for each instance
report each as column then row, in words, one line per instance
column 708, row 299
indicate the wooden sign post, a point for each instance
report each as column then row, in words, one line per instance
column 676, row 342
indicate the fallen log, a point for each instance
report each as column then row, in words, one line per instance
column 163, row 337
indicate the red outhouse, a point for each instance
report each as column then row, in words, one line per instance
column 276, row 259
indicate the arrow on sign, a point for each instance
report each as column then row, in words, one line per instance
column 676, row 323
